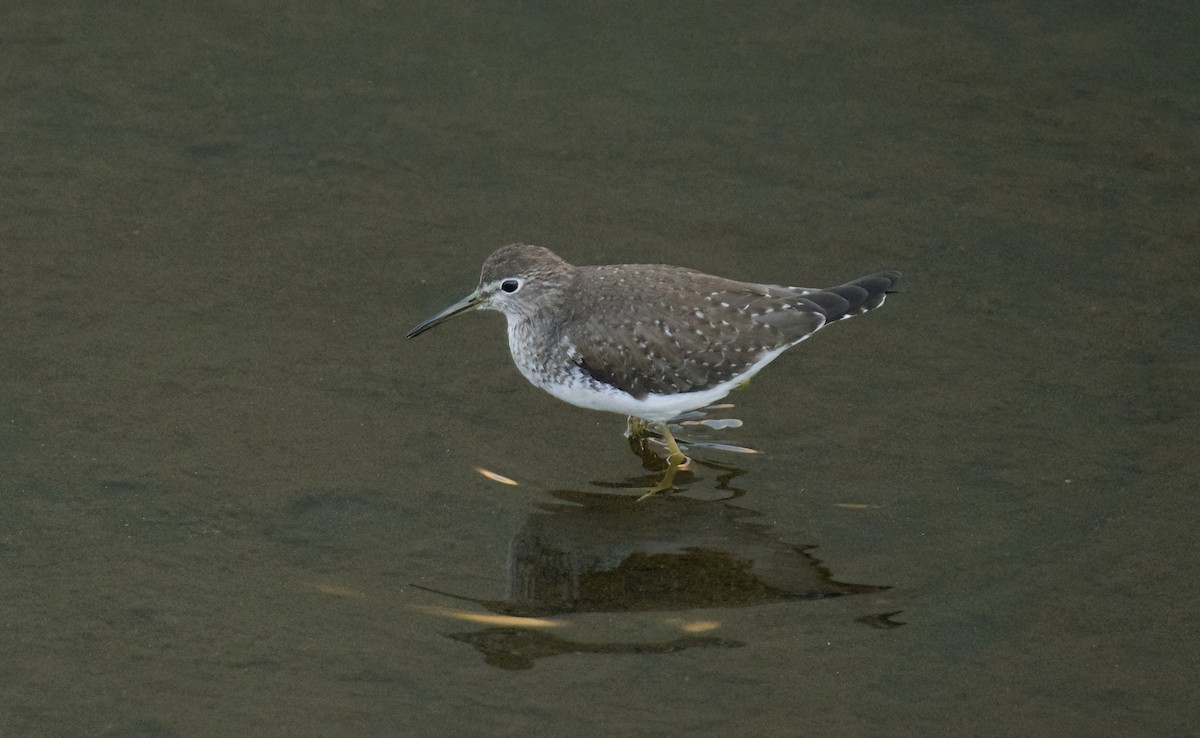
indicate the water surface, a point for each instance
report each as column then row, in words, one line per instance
column 237, row 501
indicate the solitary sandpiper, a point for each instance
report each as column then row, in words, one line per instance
column 649, row 341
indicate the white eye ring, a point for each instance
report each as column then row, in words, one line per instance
column 510, row 285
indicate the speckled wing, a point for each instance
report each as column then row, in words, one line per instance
column 678, row 331
column 665, row 330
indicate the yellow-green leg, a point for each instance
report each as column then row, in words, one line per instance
column 675, row 459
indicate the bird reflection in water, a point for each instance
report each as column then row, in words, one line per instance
column 514, row 648
column 599, row 552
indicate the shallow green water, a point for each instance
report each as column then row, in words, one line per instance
column 238, row 502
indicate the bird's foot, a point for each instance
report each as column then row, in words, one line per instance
column 639, row 432
column 667, row 483
column 676, row 460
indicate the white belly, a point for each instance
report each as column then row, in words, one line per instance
column 583, row 391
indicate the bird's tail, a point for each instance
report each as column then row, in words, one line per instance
column 854, row 298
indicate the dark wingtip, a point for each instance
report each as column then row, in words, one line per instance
column 856, row 297
column 895, row 278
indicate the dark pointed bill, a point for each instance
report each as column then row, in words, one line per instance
column 470, row 302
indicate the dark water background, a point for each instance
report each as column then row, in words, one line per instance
column 223, row 469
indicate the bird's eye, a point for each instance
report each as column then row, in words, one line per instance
column 510, row 285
